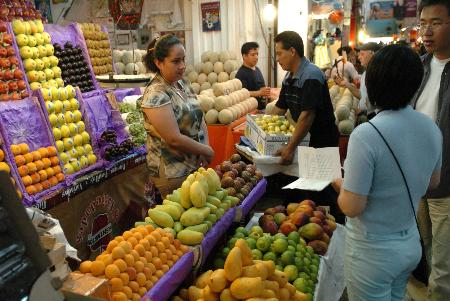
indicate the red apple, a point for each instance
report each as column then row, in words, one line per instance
column 14, row 61
column 24, row 94
column 8, row 75
column 3, row 26
column 3, row 51
column 4, row 97
column 21, row 85
column 18, row 74
column 7, row 38
column 3, row 88
column 5, row 63
column 12, row 86
column 309, row 203
column 10, row 51
column 16, row 96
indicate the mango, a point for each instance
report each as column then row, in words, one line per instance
column 233, row 200
column 195, row 293
column 233, row 265
column 226, row 295
column 246, row 287
column 212, row 218
column 202, row 180
column 209, row 295
column 220, row 194
column 178, row 205
column 246, row 252
column 177, row 226
column 210, row 180
column 202, row 228
column 211, row 207
column 173, row 211
column 215, row 178
column 213, row 200
column 197, row 194
column 218, row 281
column 204, row 279
column 189, row 237
column 311, row 231
column 161, row 218
column 175, row 196
column 185, row 199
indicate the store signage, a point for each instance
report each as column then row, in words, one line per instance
column 210, row 16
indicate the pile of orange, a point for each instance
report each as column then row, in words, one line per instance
column 135, row 261
column 39, row 169
column 5, row 167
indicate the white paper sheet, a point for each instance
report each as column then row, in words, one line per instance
column 317, row 168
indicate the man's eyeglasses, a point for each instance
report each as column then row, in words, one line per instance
column 423, row 27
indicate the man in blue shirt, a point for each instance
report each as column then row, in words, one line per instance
column 305, row 93
column 250, row 75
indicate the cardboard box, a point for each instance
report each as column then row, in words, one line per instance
column 264, row 143
column 57, row 254
column 86, row 285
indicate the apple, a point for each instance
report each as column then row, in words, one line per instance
column 26, row 52
column 35, row 52
column 73, row 153
column 5, row 63
column 61, row 118
column 77, row 116
column 46, row 94
column 18, row 74
column 56, row 132
column 46, row 61
column 52, row 83
column 42, row 51
column 80, row 151
column 55, row 93
column 39, row 38
column 50, row 49
column 7, row 39
column 46, row 85
column 74, row 104
column 49, row 106
column 65, row 132
column 47, row 38
column 16, row 96
column 29, row 64
column 3, row 27
column 86, row 137
column 35, row 86
column 63, row 96
column 60, row 82
column 66, row 106
column 41, row 75
column 53, row 121
column 68, row 116
column 68, row 169
column 60, row 146
column 73, row 129
column 75, row 164
column 49, row 74
column 33, row 27
column 84, row 161
column 12, row 86
column 56, row 71
column 58, row 106
column 10, row 51
column 53, row 60
column 39, row 64
column 65, row 157
column 18, row 26
column 27, row 28
column 22, row 40
column 13, row 60
column 8, row 75
column 32, row 41
column 21, row 85
column 3, row 51
column 39, row 25
column 24, row 94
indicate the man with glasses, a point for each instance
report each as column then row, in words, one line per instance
column 433, row 99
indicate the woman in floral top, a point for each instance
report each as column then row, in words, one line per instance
column 177, row 140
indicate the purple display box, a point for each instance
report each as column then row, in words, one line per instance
column 99, row 163
column 23, row 121
column 257, row 192
column 61, row 34
column 216, row 232
column 122, row 93
column 17, row 55
column 168, row 283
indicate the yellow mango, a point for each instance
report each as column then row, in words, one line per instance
column 246, row 287
column 270, row 266
column 283, row 294
column 272, row 285
column 204, row 279
column 233, row 264
column 185, row 199
column 266, row 293
column 202, row 180
column 279, row 277
column 226, row 295
column 215, row 177
column 209, row 295
column 299, row 296
column 246, row 252
column 195, row 293
column 218, row 281
column 292, row 290
column 161, row 218
column 184, row 294
column 197, row 194
column 189, row 237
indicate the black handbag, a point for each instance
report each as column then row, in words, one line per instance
column 421, row 271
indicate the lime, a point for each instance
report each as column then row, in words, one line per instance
column 239, row 235
column 242, row 230
column 279, row 245
column 291, row 248
column 288, row 258
column 257, row 254
column 232, row 242
column 280, row 235
column 263, row 244
column 257, row 229
column 301, row 284
column 251, row 242
column 291, row 272
column 270, row 256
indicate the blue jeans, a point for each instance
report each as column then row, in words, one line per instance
column 377, row 266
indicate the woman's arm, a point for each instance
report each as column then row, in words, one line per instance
column 164, row 121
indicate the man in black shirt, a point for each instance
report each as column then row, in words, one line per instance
column 305, row 93
column 250, row 75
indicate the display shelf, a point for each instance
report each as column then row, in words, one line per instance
column 249, row 202
column 168, row 283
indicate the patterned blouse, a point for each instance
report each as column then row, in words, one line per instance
column 189, row 117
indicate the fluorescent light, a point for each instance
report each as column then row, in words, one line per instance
column 269, row 13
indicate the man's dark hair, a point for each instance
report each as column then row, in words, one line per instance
column 245, row 49
column 159, row 49
column 347, row 49
column 426, row 3
column 291, row 39
column 393, row 76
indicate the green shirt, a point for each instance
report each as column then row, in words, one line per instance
column 189, row 117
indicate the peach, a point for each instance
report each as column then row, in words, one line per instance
column 57, row 169
column 39, row 187
column 47, row 162
column 15, row 149
column 131, row 273
column 31, row 189
column 97, row 268
column 54, row 160
column 23, row 170
column 35, row 178
column 39, row 165
column 50, row 172
column 28, row 157
column 31, row 167
column 24, row 148
column 46, row 184
column 43, row 175
column 20, row 160
column 43, row 152
column 60, row 176
column 36, row 155
column 116, row 284
column 27, row 181
column 85, row 266
column 53, row 181
column 51, row 151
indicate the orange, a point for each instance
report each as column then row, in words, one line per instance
column 28, row 157
column 143, row 260
column 154, row 251
column 159, row 273
column 46, row 184
column 107, row 259
column 5, row 167
column 60, row 176
column 138, row 236
column 85, row 266
column 117, row 252
column 43, row 175
column 2, row 155
column 175, row 258
column 127, row 290
column 125, row 278
column 142, row 230
column 97, row 268
column 54, row 160
column 135, row 255
column 47, row 162
column 31, row 167
column 147, row 272
column 24, row 148
column 127, row 234
column 165, row 241
column 157, row 262
column 39, row 187
column 129, row 259
column 121, row 264
column 112, row 271
column 51, row 150
column 131, row 271
column 170, row 263
column 19, row 159
column 169, row 253
column 15, row 149
column 39, row 165
column 139, row 266
column 31, row 189
column 136, row 297
column 142, row 291
column 119, row 296
column 145, row 244
column 133, row 241
column 154, row 279
column 43, row 152
column 36, row 155
column 57, row 170
column 163, row 257
column 148, row 256
column 134, row 286
column 151, row 266
column 111, row 245
column 116, row 284
column 149, row 228
column 50, row 172
column 53, row 181
column 126, row 246
column 176, row 243
column 27, row 181
column 140, row 279
column 35, row 178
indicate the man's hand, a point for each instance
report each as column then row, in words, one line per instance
column 264, row 92
column 342, row 82
column 286, row 154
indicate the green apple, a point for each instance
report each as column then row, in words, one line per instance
column 80, row 151
column 92, row 159
column 26, row 52
column 42, row 51
column 87, row 148
column 61, row 118
column 68, row 169
column 78, row 140
column 47, row 38
column 46, row 61
column 60, row 146
column 50, row 49
column 86, row 137
column 77, row 116
column 46, row 94
column 49, row 74
column 57, row 133
column 81, row 127
column 53, row 60
column 66, row 106
column 65, row 131
column 57, row 71
column 73, row 153
column 39, row 38
column 75, row 164
column 35, row 86
column 73, row 129
column 74, row 104
column 45, row 85
column 18, row 27
column 31, row 41
column 49, row 106
column 68, row 143
column 39, row 26
column 22, row 40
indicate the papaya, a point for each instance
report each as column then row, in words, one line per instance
column 175, row 196
column 178, row 205
column 202, row 228
column 173, row 211
column 185, row 199
column 189, row 237
column 233, row 265
column 197, row 194
column 213, row 200
column 210, row 180
column 247, row 287
column 177, row 226
column 161, row 218
column 215, row 178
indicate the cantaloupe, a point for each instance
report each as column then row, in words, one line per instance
column 208, row 67
column 189, row 69
column 225, row 116
column 117, row 55
column 221, row 103
column 228, row 66
column 192, row 76
column 127, row 57
column 205, row 56
column 137, row 56
column 206, row 103
column 141, row 68
column 233, row 74
column 222, row 77
column 213, row 57
column 195, row 87
column 224, row 56
column 212, row 78
column 346, row 127
column 218, row 89
column 237, row 84
column 246, row 93
column 120, row 67
column 205, row 86
column 233, row 55
column 342, row 112
column 201, row 78
column 198, row 67
column 218, row 67
column 211, row 116
column 130, row 68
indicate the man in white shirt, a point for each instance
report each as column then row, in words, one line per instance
column 433, row 99
column 342, row 67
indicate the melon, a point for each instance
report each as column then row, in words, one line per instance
column 228, row 66
column 246, row 93
column 205, row 86
column 233, row 111
column 195, row 87
column 141, row 68
column 346, row 127
column 209, row 92
column 221, row 103
column 130, row 68
column 224, row 56
column 236, row 65
column 120, row 67
column 237, row 84
column 233, row 74
column 214, row 57
column 218, row 89
column 127, row 57
column 225, row 116
column 342, row 112
column 198, row 67
column 117, row 55
column 208, row 67
column 218, row 67
column 137, row 56
column 233, row 55
column 222, row 77
column 205, row 56
column 212, row 78
column 211, row 116
column 206, row 103
column 192, row 76
column 201, row 78
column 189, row 69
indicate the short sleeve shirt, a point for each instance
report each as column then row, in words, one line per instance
column 308, row 90
column 252, row 80
column 189, row 117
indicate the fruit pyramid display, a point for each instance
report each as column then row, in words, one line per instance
column 12, row 83
column 39, row 169
column 4, row 166
column 74, row 68
column 37, row 53
column 290, row 255
column 191, row 210
column 345, row 106
column 135, row 261
column 97, row 42
column 242, row 278
column 72, row 140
